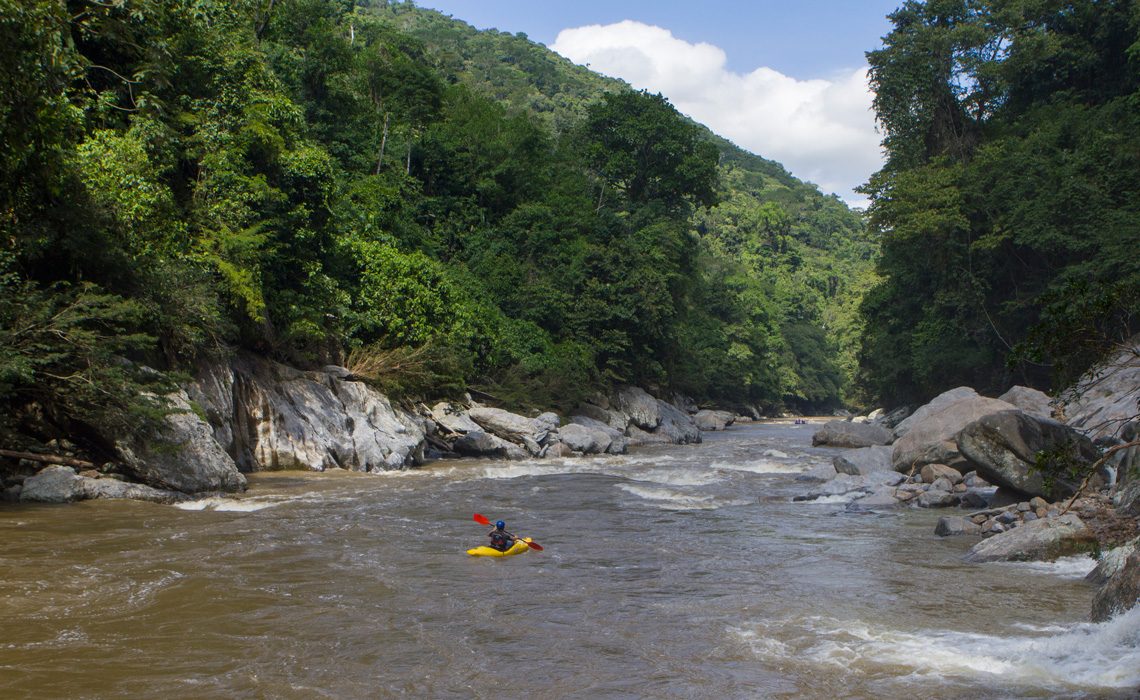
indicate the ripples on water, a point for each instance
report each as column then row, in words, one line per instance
column 673, row 572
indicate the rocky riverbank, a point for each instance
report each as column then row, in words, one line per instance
column 250, row 414
column 1030, row 478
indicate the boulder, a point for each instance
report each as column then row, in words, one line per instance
column 676, row 426
column 932, row 437
column 933, row 472
column 714, row 420
column 453, row 418
column 59, row 484
column 934, row 406
column 643, row 410
column 184, row 456
column 530, row 432
column 891, row 419
column 863, row 460
column 638, row 437
column 956, row 526
column 610, row 440
column 1121, row 593
column 615, row 419
column 1112, row 561
column 1004, row 449
column 1034, row 402
column 482, row 444
column 1038, row 540
column 841, row 433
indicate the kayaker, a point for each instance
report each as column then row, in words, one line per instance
column 500, row 538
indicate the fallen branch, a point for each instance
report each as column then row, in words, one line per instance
column 49, row 459
column 1092, row 470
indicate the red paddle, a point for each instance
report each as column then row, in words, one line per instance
column 482, row 520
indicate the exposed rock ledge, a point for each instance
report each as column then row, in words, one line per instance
column 250, row 414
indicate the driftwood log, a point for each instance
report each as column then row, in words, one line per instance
column 49, row 459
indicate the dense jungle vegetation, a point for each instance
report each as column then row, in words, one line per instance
column 377, row 185
column 1009, row 205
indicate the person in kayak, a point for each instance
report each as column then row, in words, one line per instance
column 500, row 538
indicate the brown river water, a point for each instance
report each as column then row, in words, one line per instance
column 671, row 572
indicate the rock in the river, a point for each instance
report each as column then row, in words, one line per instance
column 478, row 443
column 453, row 418
column 588, row 436
column 676, row 426
column 955, row 526
column 841, row 433
column 934, row 406
column 1004, row 448
column 1112, row 561
column 714, row 420
column 1039, row 540
column 59, row 484
column 1121, row 593
column 643, row 410
column 863, row 460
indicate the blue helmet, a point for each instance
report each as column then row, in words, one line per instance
column 499, row 525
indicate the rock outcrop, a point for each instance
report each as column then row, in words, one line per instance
column 268, row 416
column 863, row 460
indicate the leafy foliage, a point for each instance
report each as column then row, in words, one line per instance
column 314, row 178
column 1006, row 206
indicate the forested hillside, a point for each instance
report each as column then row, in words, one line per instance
column 379, row 186
column 1008, row 207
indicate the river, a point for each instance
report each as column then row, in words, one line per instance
column 671, row 572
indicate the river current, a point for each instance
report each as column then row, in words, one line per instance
column 671, row 572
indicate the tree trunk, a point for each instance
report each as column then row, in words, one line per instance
column 383, row 143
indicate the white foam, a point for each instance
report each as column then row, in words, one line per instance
column 1074, row 567
column 760, row 466
column 836, row 498
column 671, row 498
column 1075, row 656
column 242, row 505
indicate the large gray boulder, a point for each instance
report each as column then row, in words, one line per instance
column 1004, row 449
column 676, row 426
column 1038, row 540
column 841, row 433
column 708, row 419
column 268, row 416
column 478, row 443
column 60, row 484
column 582, row 433
column 615, row 419
column 863, row 460
column 531, row 433
column 932, row 438
column 183, row 456
column 453, row 418
column 1112, row 561
column 934, row 406
column 643, row 410
column 1034, row 402
column 1121, row 593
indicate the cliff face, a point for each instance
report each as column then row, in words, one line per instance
column 268, row 416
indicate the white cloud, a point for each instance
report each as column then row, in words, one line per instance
column 821, row 130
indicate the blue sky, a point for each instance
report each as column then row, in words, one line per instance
column 785, row 80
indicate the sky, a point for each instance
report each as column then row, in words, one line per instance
column 785, row 80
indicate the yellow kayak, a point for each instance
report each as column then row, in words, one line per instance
column 518, row 547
